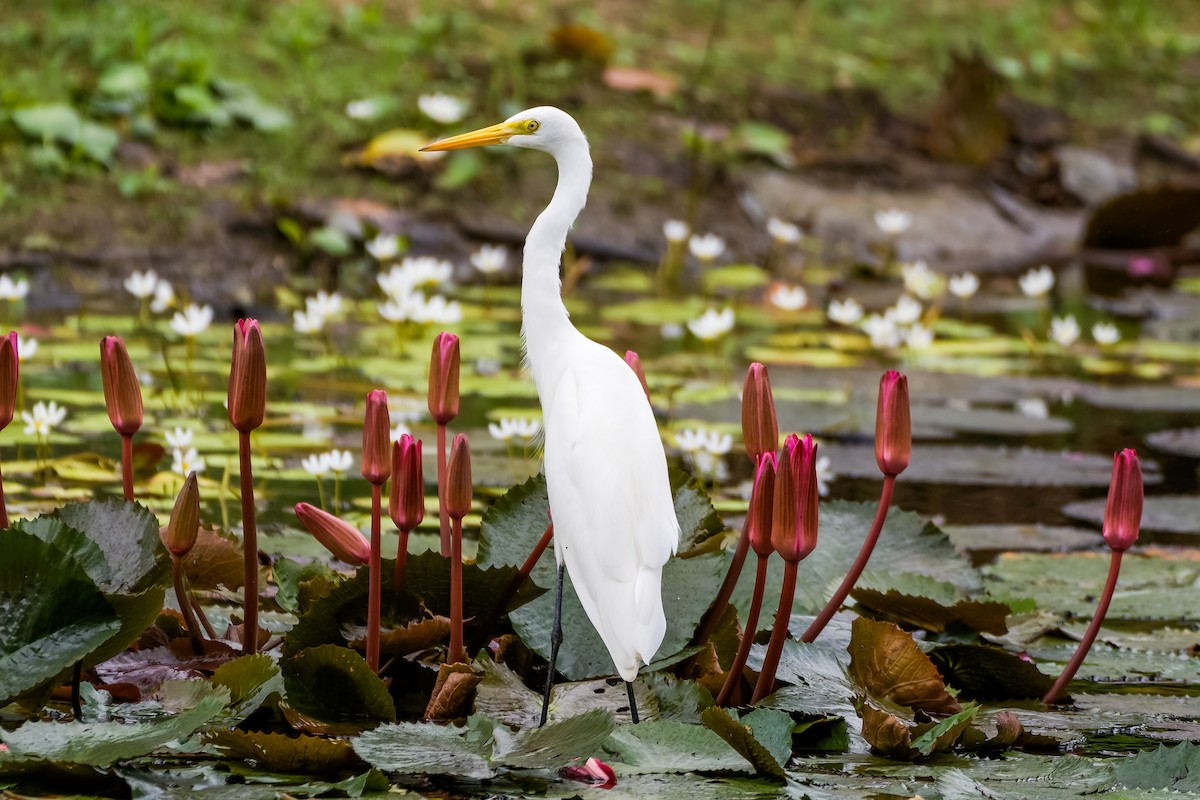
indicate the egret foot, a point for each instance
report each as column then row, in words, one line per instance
column 556, row 637
column 632, row 702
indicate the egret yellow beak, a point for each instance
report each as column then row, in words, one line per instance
column 493, row 134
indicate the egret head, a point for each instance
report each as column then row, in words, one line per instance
column 542, row 128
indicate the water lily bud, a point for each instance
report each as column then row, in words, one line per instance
column 593, row 771
column 443, row 378
column 9, row 371
column 339, row 537
column 184, row 524
column 762, row 500
column 122, row 392
column 635, row 364
column 893, row 425
column 247, row 377
column 458, row 489
column 794, row 511
column 760, row 431
column 1123, row 511
column 406, row 503
column 377, row 435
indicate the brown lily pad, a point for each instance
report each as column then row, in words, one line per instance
column 986, row 616
column 887, row 664
column 453, row 693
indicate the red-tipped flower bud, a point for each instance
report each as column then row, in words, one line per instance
column 794, row 512
column 893, row 424
column 406, row 503
column 122, row 392
column 762, row 500
column 593, row 771
column 377, row 434
column 1123, row 511
column 9, row 371
column 443, row 378
column 458, row 481
column 339, row 537
column 184, row 524
column 760, row 431
column 247, row 377
column 635, row 364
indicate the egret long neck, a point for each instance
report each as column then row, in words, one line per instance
column 544, row 318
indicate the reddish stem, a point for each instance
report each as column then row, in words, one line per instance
column 779, row 631
column 196, row 607
column 1085, row 644
column 185, row 605
column 3, row 507
column 748, row 632
column 443, row 515
column 401, row 560
column 249, row 547
column 374, row 576
column 713, row 615
column 860, row 563
column 127, row 465
column 455, row 654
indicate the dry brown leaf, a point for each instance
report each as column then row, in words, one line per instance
column 453, row 693
column 886, row 662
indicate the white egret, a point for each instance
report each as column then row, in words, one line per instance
column 606, row 472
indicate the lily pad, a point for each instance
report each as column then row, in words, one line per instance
column 1162, row 513
column 282, row 753
column 331, row 689
column 1179, row 442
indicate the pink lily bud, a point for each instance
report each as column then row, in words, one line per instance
column 760, row 431
column 794, row 511
column 247, row 396
column 893, row 424
column 1123, row 511
column 9, row 372
column 458, row 491
column 377, row 434
column 593, row 771
column 406, row 502
column 635, row 364
column 184, row 525
column 761, row 506
column 339, row 537
column 443, row 378
column 122, row 392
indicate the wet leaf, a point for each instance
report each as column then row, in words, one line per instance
column 555, row 744
column 742, row 739
column 251, row 680
column 331, row 689
column 887, row 664
column 424, row 749
column 945, row 733
column 989, row 673
column 291, row 575
column 283, row 753
column 148, row 669
column 127, row 533
column 452, row 693
column 664, row 746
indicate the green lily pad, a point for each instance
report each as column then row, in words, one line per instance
column 283, row 753
column 251, row 680
column 331, row 689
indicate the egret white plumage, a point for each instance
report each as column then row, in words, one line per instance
column 606, row 472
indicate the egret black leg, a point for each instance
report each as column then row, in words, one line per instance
column 632, row 702
column 556, row 637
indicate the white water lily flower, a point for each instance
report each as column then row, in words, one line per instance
column 788, row 298
column 1105, row 333
column 26, row 348
column 192, row 321
column 676, row 230
column 825, row 474
column 13, row 290
column 1037, row 282
column 1064, row 330
column 180, row 437
column 315, row 465
column 508, row 429
column 142, row 284
column 707, row 247
column 437, row 310
column 443, row 108
column 964, row 286
column 717, row 444
column 845, row 312
column 1033, row 407
column 893, row 222
column 712, row 324
column 490, row 258
column 906, row 311
column 164, row 297
column 406, row 409
column 783, row 231
column 918, row 337
column 45, row 418
column 882, row 330
column 362, row 109
column 394, row 310
column 427, row 271
column 339, row 460
column 384, row 247
column 920, row 280
column 671, row 331
column 325, row 304
column 187, row 461
column 398, row 430
column 308, row 322
column 690, row 440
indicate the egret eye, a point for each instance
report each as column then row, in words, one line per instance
column 532, row 125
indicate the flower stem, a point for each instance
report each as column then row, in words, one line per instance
column 127, row 465
column 249, row 547
column 185, row 605
column 321, row 493
column 779, row 631
column 860, row 563
column 1085, row 644
column 455, row 654
column 484, row 631
column 443, row 515
column 374, row 578
column 748, row 632
column 709, row 623
column 3, row 507
column 401, row 560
